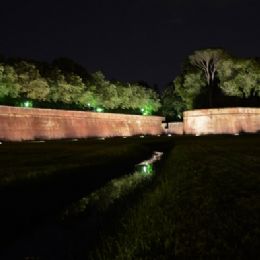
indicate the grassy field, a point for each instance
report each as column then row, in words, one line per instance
column 204, row 203
column 32, row 161
column 39, row 179
column 204, row 200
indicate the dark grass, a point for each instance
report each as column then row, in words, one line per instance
column 39, row 180
column 204, row 204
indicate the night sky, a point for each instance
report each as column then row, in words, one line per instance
column 129, row 40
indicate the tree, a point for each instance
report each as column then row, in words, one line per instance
column 100, row 86
column 9, row 86
column 32, row 85
column 67, row 90
column 188, row 87
column 239, row 77
column 172, row 103
column 126, row 95
column 207, row 61
column 68, row 66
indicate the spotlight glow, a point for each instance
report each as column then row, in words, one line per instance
column 99, row 109
column 26, row 104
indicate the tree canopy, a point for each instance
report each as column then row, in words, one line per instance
column 213, row 78
column 65, row 84
column 240, row 77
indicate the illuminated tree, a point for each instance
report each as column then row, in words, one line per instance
column 207, row 61
column 88, row 99
column 124, row 91
column 117, row 95
column 9, row 86
column 189, row 86
column 58, row 84
column 32, row 85
column 172, row 103
column 67, row 89
column 239, row 77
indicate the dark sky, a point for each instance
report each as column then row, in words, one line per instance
column 128, row 40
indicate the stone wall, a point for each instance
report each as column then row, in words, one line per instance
column 221, row 121
column 175, row 128
column 18, row 124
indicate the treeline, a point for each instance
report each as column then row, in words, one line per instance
column 213, row 78
column 209, row 78
column 66, row 84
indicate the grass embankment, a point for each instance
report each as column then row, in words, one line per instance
column 32, row 161
column 39, row 180
column 205, row 203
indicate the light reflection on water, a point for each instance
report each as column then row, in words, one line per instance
column 116, row 188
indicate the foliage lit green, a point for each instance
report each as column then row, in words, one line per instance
column 213, row 78
column 240, row 77
column 23, row 80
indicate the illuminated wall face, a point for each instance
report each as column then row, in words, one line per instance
column 27, row 124
column 175, row 128
column 222, row 121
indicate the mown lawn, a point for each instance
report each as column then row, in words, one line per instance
column 204, row 203
column 40, row 179
column 35, row 160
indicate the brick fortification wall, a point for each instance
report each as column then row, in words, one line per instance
column 175, row 128
column 18, row 124
column 221, row 121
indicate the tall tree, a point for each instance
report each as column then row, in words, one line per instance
column 208, row 60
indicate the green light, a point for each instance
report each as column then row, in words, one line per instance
column 99, row 109
column 146, row 111
column 147, row 169
column 89, row 104
column 26, row 104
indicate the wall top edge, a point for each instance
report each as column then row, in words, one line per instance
column 221, row 111
column 69, row 113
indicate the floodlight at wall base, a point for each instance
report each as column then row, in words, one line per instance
column 26, row 104
column 99, row 109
